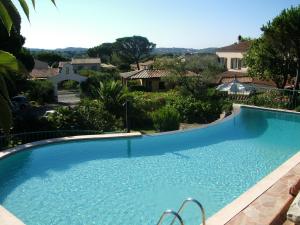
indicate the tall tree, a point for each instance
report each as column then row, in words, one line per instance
column 276, row 55
column 133, row 49
column 104, row 51
column 267, row 63
column 52, row 58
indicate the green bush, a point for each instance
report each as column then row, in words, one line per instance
column 297, row 109
column 69, row 85
column 192, row 110
column 93, row 82
column 272, row 99
column 142, row 105
column 41, row 91
column 227, row 107
column 166, row 119
column 88, row 115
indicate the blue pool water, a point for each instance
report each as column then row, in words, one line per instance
column 132, row 181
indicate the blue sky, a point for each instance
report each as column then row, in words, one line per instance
column 168, row 23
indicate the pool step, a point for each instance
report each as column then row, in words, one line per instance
column 182, row 207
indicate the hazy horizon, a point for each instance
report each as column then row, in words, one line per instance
column 194, row 24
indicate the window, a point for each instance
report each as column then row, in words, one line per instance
column 161, row 85
column 223, row 61
column 243, row 63
column 236, row 63
column 67, row 70
column 149, row 85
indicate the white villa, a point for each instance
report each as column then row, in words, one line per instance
column 83, row 63
column 232, row 58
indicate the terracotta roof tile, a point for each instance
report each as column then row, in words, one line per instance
column 44, row 73
column 236, row 47
column 145, row 74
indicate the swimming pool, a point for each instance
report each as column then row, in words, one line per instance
column 132, row 181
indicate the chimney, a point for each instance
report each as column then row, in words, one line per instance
column 239, row 38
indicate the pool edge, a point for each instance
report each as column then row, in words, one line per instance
column 7, row 218
column 224, row 215
column 19, row 148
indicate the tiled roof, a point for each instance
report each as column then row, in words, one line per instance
column 242, row 77
column 86, row 61
column 145, row 74
column 148, row 73
column 236, row 47
column 44, row 73
column 230, row 75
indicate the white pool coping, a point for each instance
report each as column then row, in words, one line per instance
column 220, row 218
column 6, row 218
column 19, row 148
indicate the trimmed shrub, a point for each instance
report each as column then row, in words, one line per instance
column 166, row 119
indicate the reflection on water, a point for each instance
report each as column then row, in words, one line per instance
column 128, row 148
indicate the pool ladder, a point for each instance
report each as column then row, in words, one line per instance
column 177, row 214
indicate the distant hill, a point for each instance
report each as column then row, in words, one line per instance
column 75, row 52
column 182, row 51
column 70, row 52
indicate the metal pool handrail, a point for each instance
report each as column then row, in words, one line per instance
column 169, row 212
column 197, row 203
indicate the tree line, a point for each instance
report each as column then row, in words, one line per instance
column 127, row 49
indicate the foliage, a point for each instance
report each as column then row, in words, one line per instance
column 190, row 109
column 227, row 107
column 297, row 108
column 204, row 66
column 166, row 119
column 89, row 87
column 199, row 63
column 104, row 51
column 69, row 85
column 8, row 64
column 143, row 104
column 52, row 58
column 10, row 17
column 272, row 99
column 132, row 49
column 89, row 115
column 277, row 53
column 41, row 91
column 113, row 96
column 266, row 62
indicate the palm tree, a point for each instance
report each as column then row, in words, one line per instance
column 113, row 95
column 10, row 17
